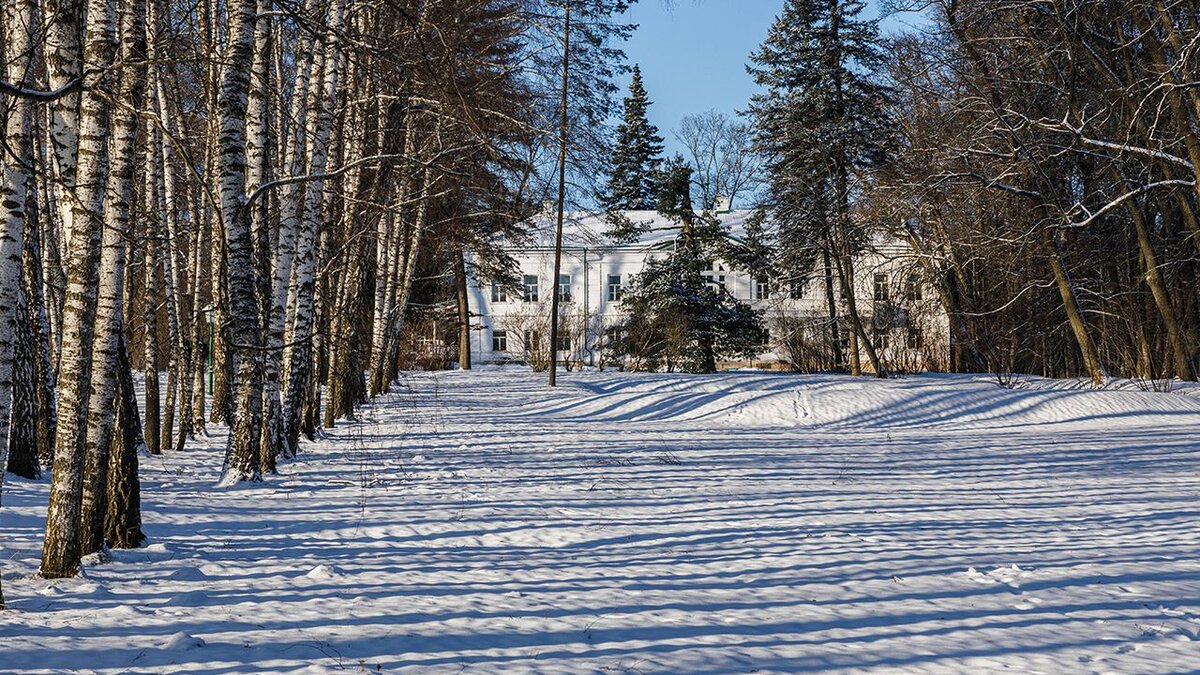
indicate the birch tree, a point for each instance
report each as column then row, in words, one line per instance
column 61, row 549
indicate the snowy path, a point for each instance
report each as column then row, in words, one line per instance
column 657, row 524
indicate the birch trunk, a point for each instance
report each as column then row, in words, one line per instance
column 63, row 54
column 284, row 250
column 22, row 438
column 43, row 371
column 174, row 261
column 15, row 184
column 123, row 514
column 60, row 550
column 258, row 154
column 242, row 455
column 302, row 288
column 110, row 309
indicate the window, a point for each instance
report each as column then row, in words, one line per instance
column 564, row 287
column 499, row 293
column 881, row 288
column 564, row 342
column 614, row 288
column 762, row 288
column 499, row 341
column 915, row 338
column 531, row 288
column 533, row 340
column 715, row 281
column 796, row 289
column 912, row 290
column 881, row 338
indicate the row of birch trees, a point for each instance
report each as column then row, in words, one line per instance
column 235, row 199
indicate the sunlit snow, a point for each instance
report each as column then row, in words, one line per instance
column 753, row 522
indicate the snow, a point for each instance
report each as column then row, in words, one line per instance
column 588, row 229
column 749, row 522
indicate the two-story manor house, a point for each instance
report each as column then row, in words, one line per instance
column 512, row 324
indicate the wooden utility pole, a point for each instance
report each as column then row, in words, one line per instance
column 562, row 193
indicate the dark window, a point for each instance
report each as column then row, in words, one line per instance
column 913, row 289
column 614, row 287
column 762, row 288
column 881, row 288
column 531, row 288
column 564, row 287
column 499, row 293
column 715, row 281
column 915, row 339
column 881, row 338
column 499, row 341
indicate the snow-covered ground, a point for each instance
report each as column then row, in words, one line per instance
column 480, row 522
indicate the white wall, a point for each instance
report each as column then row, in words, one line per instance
column 590, row 296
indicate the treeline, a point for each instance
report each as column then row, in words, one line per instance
column 1040, row 158
column 241, row 196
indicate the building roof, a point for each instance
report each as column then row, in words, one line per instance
column 583, row 229
column 589, row 229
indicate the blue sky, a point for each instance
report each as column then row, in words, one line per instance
column 694, row 54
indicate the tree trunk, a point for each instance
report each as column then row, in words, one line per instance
column 301, row 293
column 123, row 514
column 15, row 186
column 464, row 309
column 23, row 437
column 242, row 455
column 1158, row 290
column 64, row 52
column 60, row 551
column 1079, row 327
column 839, row 359
column 110, row 310
column 151, row 269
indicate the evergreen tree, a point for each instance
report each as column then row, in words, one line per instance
column 636, row 155
column 678, row 319
column 821, row 121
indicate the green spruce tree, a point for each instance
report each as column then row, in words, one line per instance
column 678, row 318
column 819, row 123
column 636, row 155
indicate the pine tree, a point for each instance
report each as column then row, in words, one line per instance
column 636, row 155
column 822, row 119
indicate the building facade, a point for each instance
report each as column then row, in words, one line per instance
column 512, row 324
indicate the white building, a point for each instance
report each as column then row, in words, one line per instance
column 512, row 325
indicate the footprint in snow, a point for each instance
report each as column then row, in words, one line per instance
column 183, row 642
column 1010, row 575
column 187, row 574
column 1027, row 603
column 323, row 572
column 1125, row 649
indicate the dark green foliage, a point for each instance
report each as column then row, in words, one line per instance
column 635, row 156
column 822, row 118
column 678, row 319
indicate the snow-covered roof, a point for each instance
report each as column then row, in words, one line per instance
column 583, row 229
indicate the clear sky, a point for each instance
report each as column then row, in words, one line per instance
column 693, row 55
